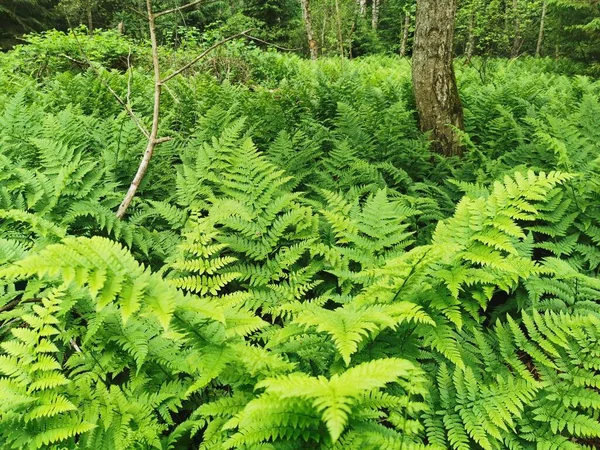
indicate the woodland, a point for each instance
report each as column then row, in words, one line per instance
column 300, row 224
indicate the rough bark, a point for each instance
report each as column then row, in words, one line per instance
column 404, row 43
column 436, row 94
column 375, row 14
column 307, row 17
column 540, row 41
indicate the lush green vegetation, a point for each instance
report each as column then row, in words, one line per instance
column 571, row 28
column 298, row 269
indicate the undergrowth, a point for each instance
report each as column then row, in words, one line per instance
column 298, row 269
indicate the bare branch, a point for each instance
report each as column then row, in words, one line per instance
column 271, row 44
column 139, row 13
column 153, row 139
column 127, row 108
column 129, row 77
column 203, row 54
column 75, row 346
column 172, row 94
column 181, row 8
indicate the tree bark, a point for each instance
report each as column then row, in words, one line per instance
column 470, row 48
column 362, row 8
column 517, row 39
column 375, row 14
column 307, row 17
column 436, row 94
column 540, row 41
column 90, row 21
column 404, row 43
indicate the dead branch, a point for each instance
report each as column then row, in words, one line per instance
column 181, row 8
column 117, row 97
column 271, row 44
column 203, row 54
column 153, row 137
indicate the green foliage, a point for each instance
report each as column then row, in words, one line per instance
column 298, row 270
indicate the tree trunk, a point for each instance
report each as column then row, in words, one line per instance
column 88, row 10
column 306, row 16
column 470, row 48
column 375, row 14
column 340, row 36
column 517, row 39
column 538, row 49
column 404, row 43
column 436, row 94
column 362, row 8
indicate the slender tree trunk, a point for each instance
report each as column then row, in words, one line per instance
column 404, row 43
column 324, row 29
column 540, row 41
column 153, row 138
column 340, row 36
column 375, row 14
column 517, row 38
column 90, row 21
column 306, row 15
column 470, row 48
column 436, row 94
column 362, row 8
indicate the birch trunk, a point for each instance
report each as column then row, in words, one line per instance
column 362, row 8
column 436, row 94
column 470, row 48
column 517, row 39
column 540, row 41
column 375, row 14
column 404, row 43
column 90, row 21
column 307, row 17
column 340, row 37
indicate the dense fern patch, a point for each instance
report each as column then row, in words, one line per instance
column 298, row 270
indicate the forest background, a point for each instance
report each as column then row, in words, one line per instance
column 501, row 28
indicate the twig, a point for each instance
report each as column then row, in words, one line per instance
column 9, row 306
column 75, row 346
column 203, row 54
column 181, row 8
column 129, row 77
column 153, row 139
column 76, row 61
column 285, row 49
column 135, row 118
column 172, row 94
column 139, row 13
